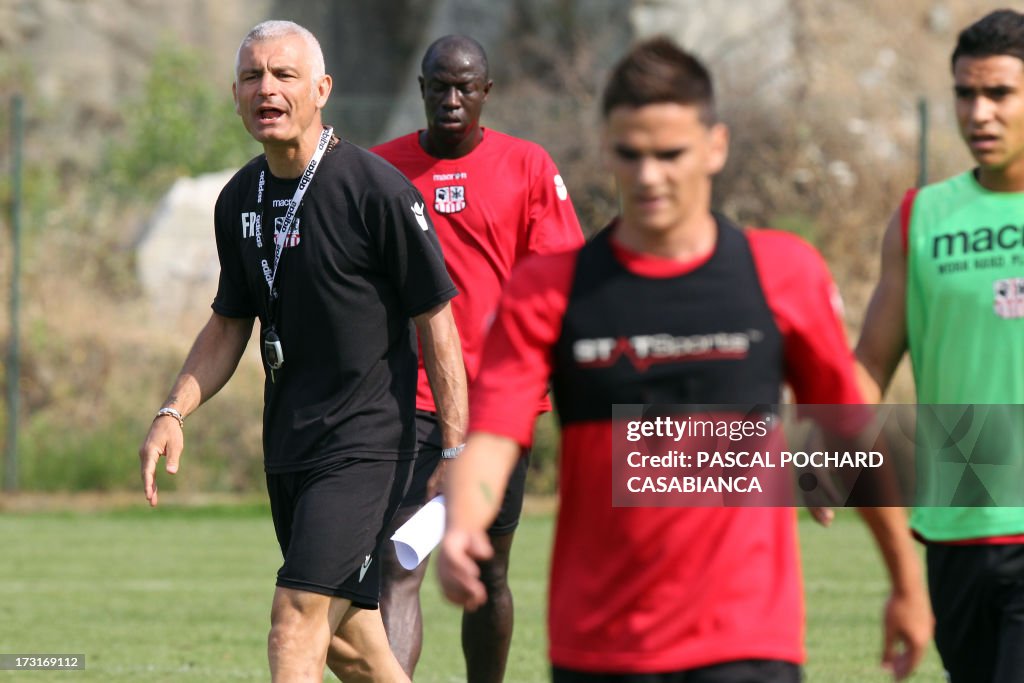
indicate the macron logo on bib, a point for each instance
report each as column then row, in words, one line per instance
column 417, row 211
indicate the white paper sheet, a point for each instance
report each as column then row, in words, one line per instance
column 417, row 537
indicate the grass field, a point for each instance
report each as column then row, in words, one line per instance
column 183, row 595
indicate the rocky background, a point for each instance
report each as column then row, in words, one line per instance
column 125, row 97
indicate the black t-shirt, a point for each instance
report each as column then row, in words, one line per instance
column 365, row 260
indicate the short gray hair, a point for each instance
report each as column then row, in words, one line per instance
column 276, row 28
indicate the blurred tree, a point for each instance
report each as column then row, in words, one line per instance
column 180, row 125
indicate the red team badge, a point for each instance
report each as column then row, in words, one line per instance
column 450, row 199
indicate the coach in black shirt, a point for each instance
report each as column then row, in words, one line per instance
column 330, row 247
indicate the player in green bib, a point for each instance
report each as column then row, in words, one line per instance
column 951, row 292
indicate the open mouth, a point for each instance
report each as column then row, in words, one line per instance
column 649, row 203
column 268, row 114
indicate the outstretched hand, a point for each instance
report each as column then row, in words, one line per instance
column 165, row 438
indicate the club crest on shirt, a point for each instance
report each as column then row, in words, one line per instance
column 293, row 238
column 1009, row 297
column 450, row 199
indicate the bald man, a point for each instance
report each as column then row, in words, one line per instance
column 493, row 199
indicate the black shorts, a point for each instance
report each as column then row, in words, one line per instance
column 428, row 443
column 977, row 594
column 743, row 671
column 329, row 522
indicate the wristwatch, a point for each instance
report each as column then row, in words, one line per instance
column 453, row 452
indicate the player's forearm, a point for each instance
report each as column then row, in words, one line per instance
column 477, row 481
column 877, row 355
column 446, row 372
column 889, row 527
column 210, row 363
column 883, row 336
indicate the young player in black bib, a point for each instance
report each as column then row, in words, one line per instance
column 671, row 304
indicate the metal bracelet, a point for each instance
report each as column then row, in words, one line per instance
column 453, row 452
column 172, row 413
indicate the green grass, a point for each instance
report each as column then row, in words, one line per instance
column 183, row 595
column 845, row 586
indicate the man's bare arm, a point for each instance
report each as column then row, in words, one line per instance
column 473, row 494
column 883, row 337
column 907, row 622
column 211, row 362
column 446, row 372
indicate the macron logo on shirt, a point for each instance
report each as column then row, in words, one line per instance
column 417, row 211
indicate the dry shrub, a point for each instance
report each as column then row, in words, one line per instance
column 95, row 365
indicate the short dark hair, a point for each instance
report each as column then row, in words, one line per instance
column 456, row 43
column 998, row 33
column 658, row 71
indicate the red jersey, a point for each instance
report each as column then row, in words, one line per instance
column 664, row 589
column 499, row 203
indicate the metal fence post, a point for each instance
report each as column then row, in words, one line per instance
column 13, row 353
column 922, row 142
